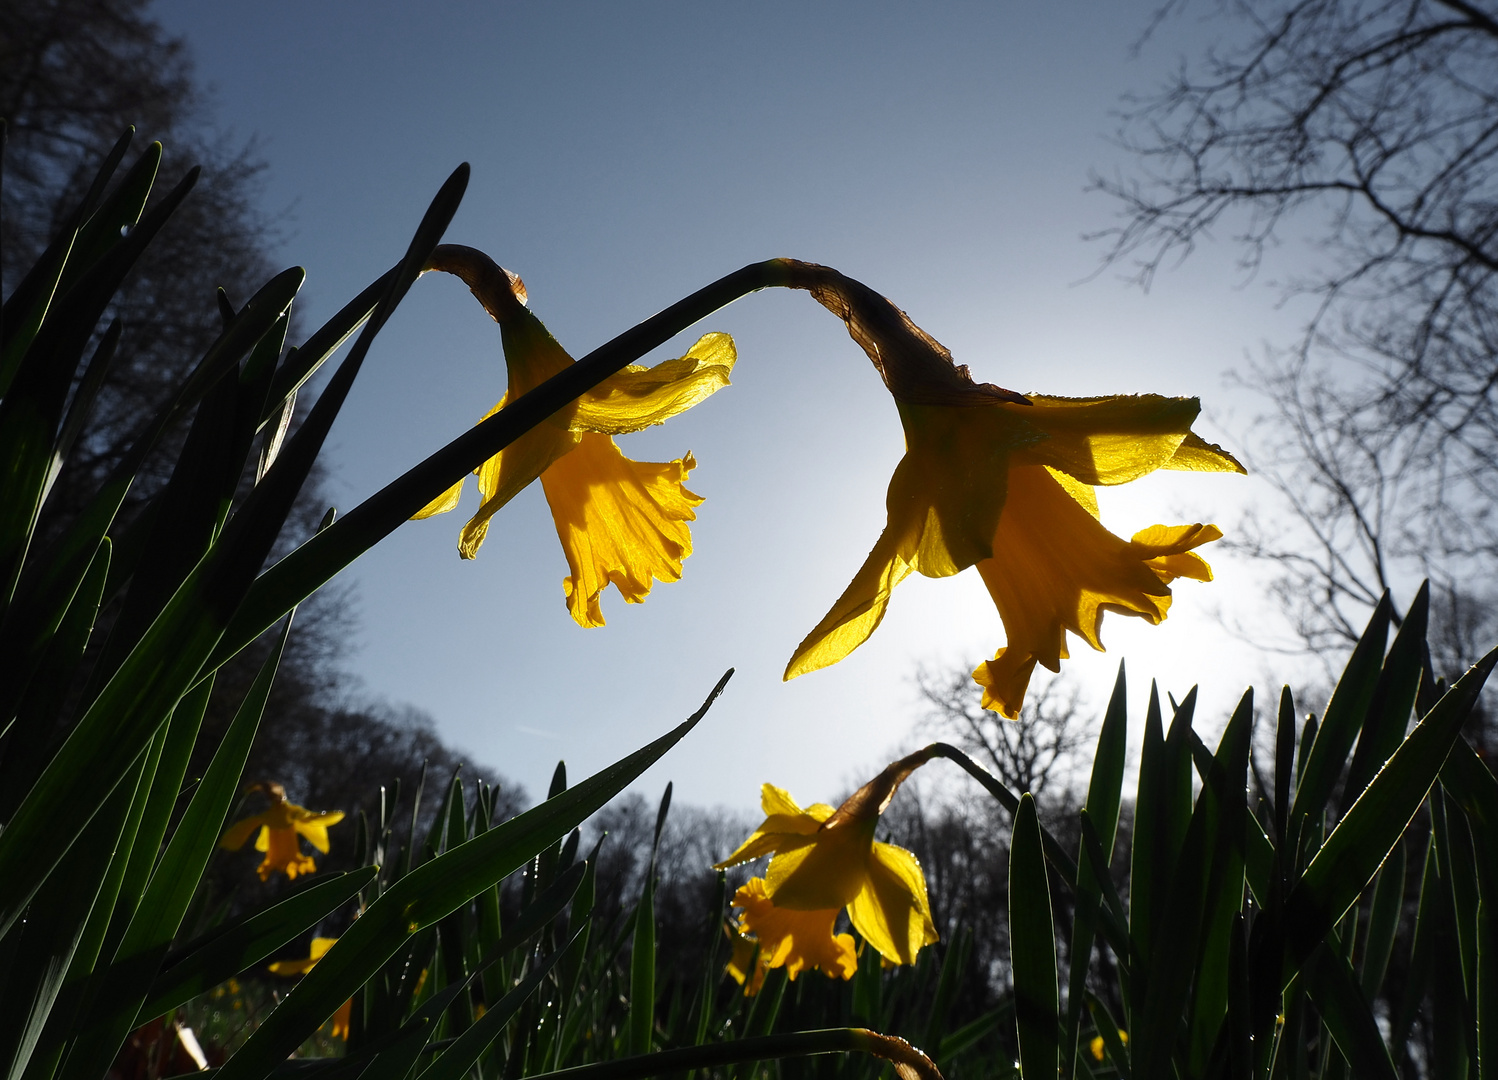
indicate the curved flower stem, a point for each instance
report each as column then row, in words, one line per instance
column 909, row 1063
column 1115, row 929
column 1054, row 852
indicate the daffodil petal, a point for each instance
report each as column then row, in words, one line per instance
column 236, row 835
column 532, row 355
column 825, row 873
column 1004, row 680
column 786, row 827
column 1059, row 570
column 1167, row 551
column 1108, row 440
column 638, row 397
column 858, row 611
column 508, row 473
column 891, row 911
column 342, row 1020
column 767, row 841
column 316, row 830
column 1084, row 494
column 777, row 800
column 262, row 842
column 448, row 500
column 796, row 940
column 621, row 522
column 943, row 503
column 1195, row 454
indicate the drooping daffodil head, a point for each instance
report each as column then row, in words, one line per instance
column 825, row 860
column 279, row 830
column 1005, row 482
column 620, row 522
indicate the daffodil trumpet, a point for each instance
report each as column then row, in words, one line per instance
column 821, row 862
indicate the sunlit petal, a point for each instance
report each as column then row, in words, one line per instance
column 796, row 940
column 891, row 911
column 786, row 827
column 1108, row 440
column 638, row 397
column 827, row 873
column 621, row 522
column 1057, row 569
column 857, row 613
column 1166, row 550
column 448, row 500
column 1195, row 454
column 509, row 472
column 943, row 504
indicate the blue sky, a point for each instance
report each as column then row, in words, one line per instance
column 625, row 155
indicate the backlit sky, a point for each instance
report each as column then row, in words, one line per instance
column 626, row 154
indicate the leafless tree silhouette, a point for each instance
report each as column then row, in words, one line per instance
column 1370, row 128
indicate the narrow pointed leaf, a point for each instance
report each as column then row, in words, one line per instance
column 27, row 305
column 1104, row 794
column 1393, row 699
column 455, row 1062
column 1344, row 716
column 192, row 843
column 1333, row 988
column 1032, row 946
column 428, row 893
column 1388, row 902
column 244, row 942
column 1372, row 826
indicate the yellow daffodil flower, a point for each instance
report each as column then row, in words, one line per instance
column 825, row 860
column 281, row 826
column 320, row 945
column 621, row 522
column 1098, row 1047
column 794, row 940
column 1005, row 483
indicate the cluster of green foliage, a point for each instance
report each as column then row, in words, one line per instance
column 1281, row 934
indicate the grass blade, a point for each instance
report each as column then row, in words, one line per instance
column 1148, row 832
column 1487, row 990
column 1372, row 826
column 455, row 1062
column 1388, row 902
column 1333, row 988
column 1344, row 716
column 176, row 876
column 1032, row 945
column 206, row 961
column 428, row 893
column 1104, row 795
